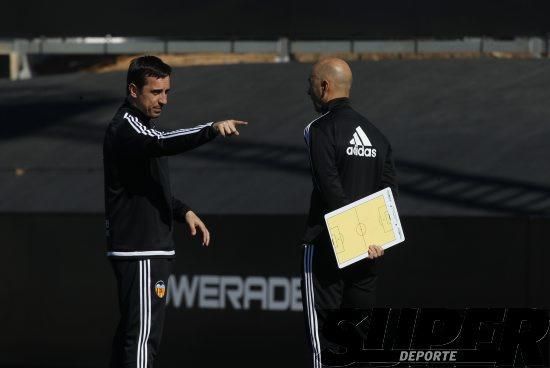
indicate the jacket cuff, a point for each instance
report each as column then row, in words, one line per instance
column 213, row 130
column 179, row 215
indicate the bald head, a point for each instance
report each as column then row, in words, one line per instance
column 329, row 79
column 337, row 72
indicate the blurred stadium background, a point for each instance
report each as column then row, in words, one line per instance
column 460, row 88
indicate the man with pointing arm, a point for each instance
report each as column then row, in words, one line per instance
column 140, row 208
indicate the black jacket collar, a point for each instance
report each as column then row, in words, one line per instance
column 338, row 103
column 135, row 111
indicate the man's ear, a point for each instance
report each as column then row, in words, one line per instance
column 132, row 88
column 324, row 87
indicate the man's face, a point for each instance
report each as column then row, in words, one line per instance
column 152, row 97
column 316, row 91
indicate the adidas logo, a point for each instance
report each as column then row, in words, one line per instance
column 362, row 146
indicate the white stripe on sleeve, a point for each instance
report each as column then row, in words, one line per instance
column 142, row 129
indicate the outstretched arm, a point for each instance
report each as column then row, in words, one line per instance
column 139, row 139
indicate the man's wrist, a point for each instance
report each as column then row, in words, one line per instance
column 182, row 215
column 214, row 129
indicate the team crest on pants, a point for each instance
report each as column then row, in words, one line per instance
column 160, row 289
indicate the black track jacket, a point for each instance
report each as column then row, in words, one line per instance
column 349, row 158
column 139, row 206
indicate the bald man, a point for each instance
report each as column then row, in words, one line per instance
column 350, row 159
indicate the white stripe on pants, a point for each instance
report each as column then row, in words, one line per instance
column 144, row 312
column 310, row 306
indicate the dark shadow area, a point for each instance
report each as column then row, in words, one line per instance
column 55, row 117
column 429, row 182
column 474, row 191
column 498, row 195
column 4, row 66
column 273, row 19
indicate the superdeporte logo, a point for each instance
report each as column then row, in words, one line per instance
column 361, row 145
column 234, row 292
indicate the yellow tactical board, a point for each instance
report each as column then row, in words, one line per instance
column 369, row 220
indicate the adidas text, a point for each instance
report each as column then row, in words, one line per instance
column 361, row 151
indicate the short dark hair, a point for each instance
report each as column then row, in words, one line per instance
column 143, row 67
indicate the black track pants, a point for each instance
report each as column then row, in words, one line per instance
column 142, row 299
column 326, row 288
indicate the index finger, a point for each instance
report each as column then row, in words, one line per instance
column 207, row 237
column 204, row 233
column 239, row 122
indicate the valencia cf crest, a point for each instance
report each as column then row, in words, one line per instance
column 160, row 289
